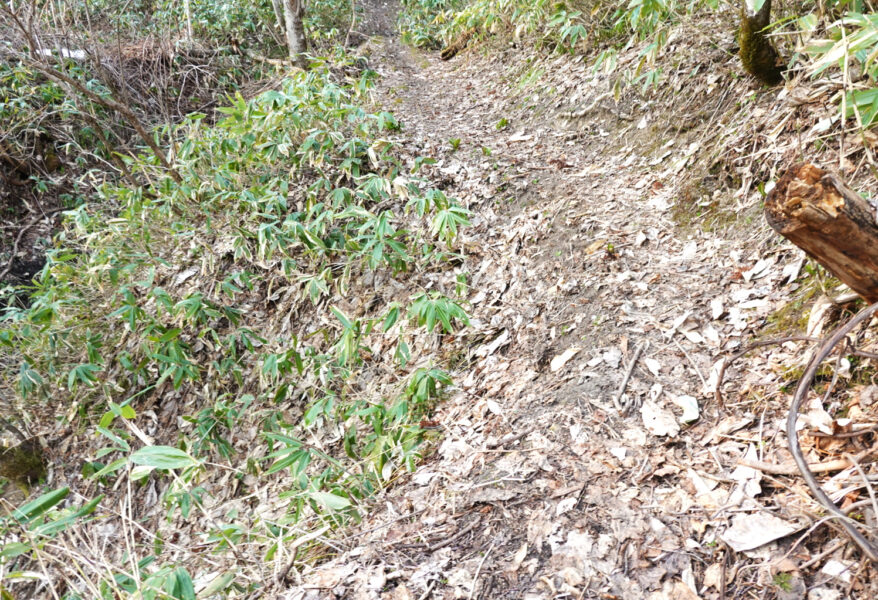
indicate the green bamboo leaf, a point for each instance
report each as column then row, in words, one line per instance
column 162, row 457
column 13, row 549
column 330, row 501
column 35, row 508
column 53, row 527
column 179, row 585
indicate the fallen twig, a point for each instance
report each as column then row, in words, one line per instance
column 453, row 538
column 717, row 394
column 628, row 373
column 508, row 439
column 792, row 434
column 839, row 464
column 428, row 590
column 691, row 362
column 817, row 558
column 479, row 570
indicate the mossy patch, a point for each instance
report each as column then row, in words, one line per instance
column 24, row 464
column 703, row 204
column 792, row 317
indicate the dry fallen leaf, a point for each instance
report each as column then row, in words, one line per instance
column 657, row 420
column 518, row 558
column 561, row 360
column 749, row 531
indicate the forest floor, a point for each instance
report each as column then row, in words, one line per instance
column 602, row 245
column 599, row 442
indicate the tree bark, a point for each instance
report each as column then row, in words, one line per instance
column 278, row 14
column 758, row 55
column 834, row 225
column 294, row 27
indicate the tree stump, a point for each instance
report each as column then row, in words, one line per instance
column 832, row 224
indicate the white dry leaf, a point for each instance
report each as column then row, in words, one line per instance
column 491, row 347
column 635, row 435
column 659, row 203
column 375, row 576
column 639, row 239
column 612, row 357
column 566, row 505
column 748, row 478
column 737, row 319
column 520, row 137
column 711, row 335
column 823, row 125
column 679, row 322
column 815, row 417
column 518, row 558
column 653, row 365
column 838, row 569
column 817, row 318
column 751, row 304
column 573, row 577
column 655, row 391
column 741, row 295
column 182, row 277
column 689, row 251
column 689, row 404
column 701, row 484
column 461, row 578
column 713, row 576
column 844, row 368
column 330, row 577
column 688, row 578
column 423, row 477
column 727, row 426
column 752, row 531
column 716, row 308
column 559, row 361
column 678, row 164
column 658, row 421
column 713, row 378
column 494, row 407
column 693, row 336
column 791, row 271
column 619, row 452
column 824, row 593
column 579, row 442
column 760, row 269
column 451, row 449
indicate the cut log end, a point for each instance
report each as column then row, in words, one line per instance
column 834, row 225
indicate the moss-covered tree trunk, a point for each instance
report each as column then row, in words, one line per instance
column 758, row 55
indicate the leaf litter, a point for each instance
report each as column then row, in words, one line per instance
column 540, row 488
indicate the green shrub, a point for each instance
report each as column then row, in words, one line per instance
column 222, row 289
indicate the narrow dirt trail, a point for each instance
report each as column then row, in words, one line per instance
column 540, row 487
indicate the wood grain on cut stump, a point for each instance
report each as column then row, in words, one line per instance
column 834, row 225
